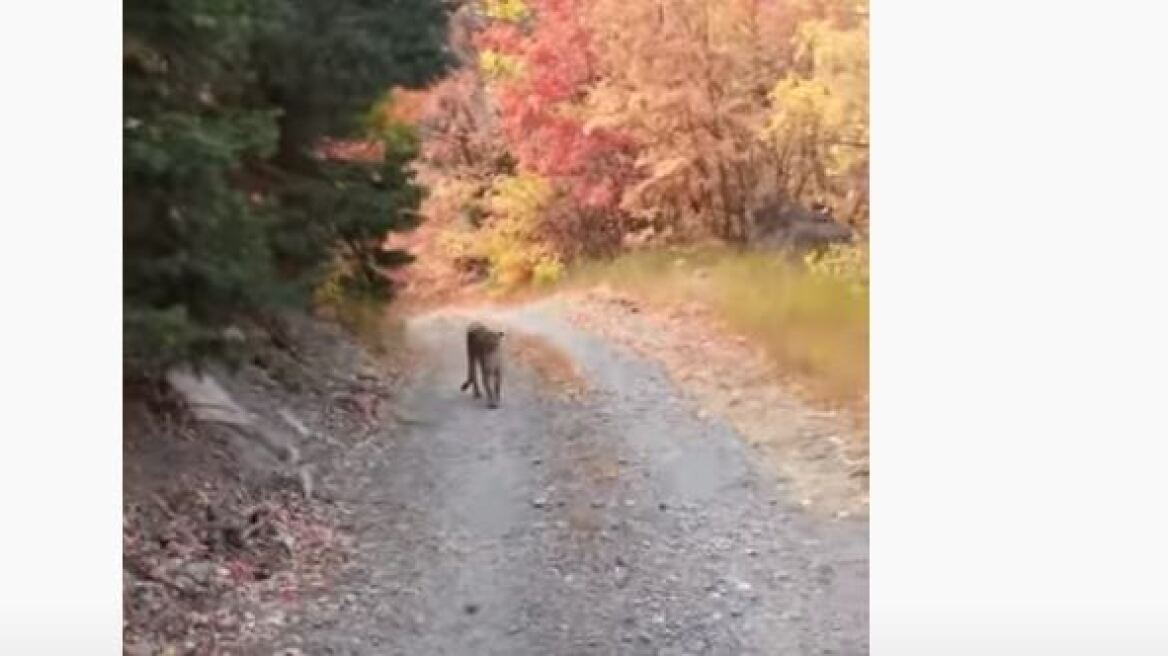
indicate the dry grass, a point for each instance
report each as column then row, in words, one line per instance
column 814, row 327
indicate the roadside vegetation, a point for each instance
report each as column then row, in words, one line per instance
column 810, row 317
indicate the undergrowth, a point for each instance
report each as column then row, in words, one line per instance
column 368, row 321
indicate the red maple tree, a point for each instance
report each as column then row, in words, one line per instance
column 558, row 64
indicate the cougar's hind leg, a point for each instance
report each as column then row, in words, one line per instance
column 492, row 383
column 485, row 376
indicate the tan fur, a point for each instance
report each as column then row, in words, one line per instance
column 483, row 353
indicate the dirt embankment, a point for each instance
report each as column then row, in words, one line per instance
column 223, row 534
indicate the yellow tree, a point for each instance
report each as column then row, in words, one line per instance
column 694, row 81
column 819, row 123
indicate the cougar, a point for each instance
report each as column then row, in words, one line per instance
column 482, row 349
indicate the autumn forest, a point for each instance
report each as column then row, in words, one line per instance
column 641, row 225
column 576, row 129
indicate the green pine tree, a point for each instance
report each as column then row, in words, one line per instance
column 226, row 211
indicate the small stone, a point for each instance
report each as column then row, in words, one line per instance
column 742, row 586
column 138, row 649
column 185, row 583
column 539, row 502
column 471, row 609
column 662, row 507
column 234, row 334
column 200, row 570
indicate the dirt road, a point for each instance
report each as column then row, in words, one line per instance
column 608, row 518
